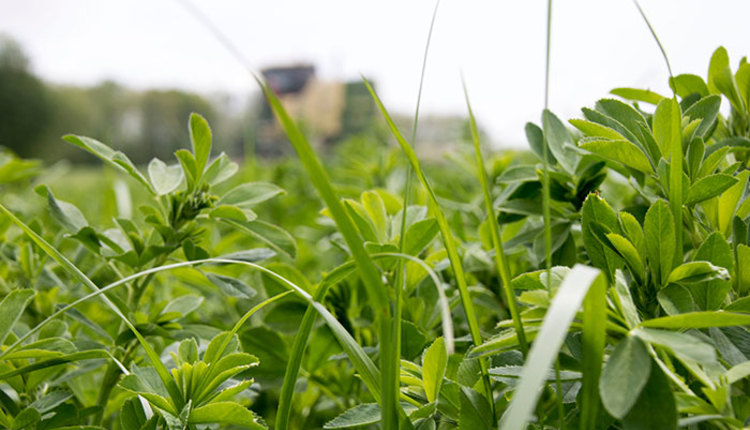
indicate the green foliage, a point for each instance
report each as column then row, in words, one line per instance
column 598, row 281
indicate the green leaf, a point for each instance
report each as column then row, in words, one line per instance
column 697, row 271
column 655, row 408
column 547, row 345
column 687, row 84
column 559, row 141
column 114, row 158
column 277, row 238
column 375, row 208
column 231, row 286
column 658, row 230
column 419, row 235
column 189, row 167
column 434, row 365
column 200, row 139
column 360, row 415
column 675, row 299
column 475, row 413
column 221, row 169
column 164, row 179
column 518, row 174
column 26, row 418
column 743, row 268
column 183, row 305
column 709, row 187
column 624, row 376
column 702, row 319
column 11, row 309
column 683, row 345
column 535, row 136
column 225, row 413
column 250, row 194
column 635, row 94
column 628, row 252
column 67, row 214
column 707, row 110
column 625, row 114
column 596, row 210
column 619, row 151
column 721, row 80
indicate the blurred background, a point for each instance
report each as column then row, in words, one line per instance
column 129, row 73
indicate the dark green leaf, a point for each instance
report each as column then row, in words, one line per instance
column 624, row 376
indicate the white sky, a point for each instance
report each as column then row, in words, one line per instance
column 499, row 45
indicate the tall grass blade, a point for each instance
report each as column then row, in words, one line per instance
column 448, row 240
column 392, row 368
column 371, row 276
column 501, row 259
column 546, row 200
column 566, row 303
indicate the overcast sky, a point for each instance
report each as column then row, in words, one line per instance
column 498, row 45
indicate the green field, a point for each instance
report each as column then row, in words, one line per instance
column 599, row 279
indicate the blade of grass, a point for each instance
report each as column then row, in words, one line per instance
column 161, row 369
column 371, row 276
column 566, row 303
column 448, row 240
column 392, row 371
column 500, row 258
column 546, row 201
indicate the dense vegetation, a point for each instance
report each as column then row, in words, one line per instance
column 599, row 281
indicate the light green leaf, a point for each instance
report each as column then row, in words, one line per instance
column 231, row 286
column 721, row 80
column 697, row 271
column 375, row 208
column 11, row 309
column 709, row 187
column 687, row 84
column 658, row 230
column 624, row 376
column 275, row 237
column 559, row 141
column 200, row 139
column 67, row 214
column 419, row 235
column 164, row 179
column 221, row 169
column 434, row 365
column 629, row 253
column 619, row 151
column 225, row 413
column 360, row 415
column 114, row 158
column 250, row 194
column 702, row 319
column 638, row 95
column 683, row 345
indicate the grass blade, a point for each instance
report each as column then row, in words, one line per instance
column 371, row 276
column 545, row 349
column 500, row 258
column 393, row 363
